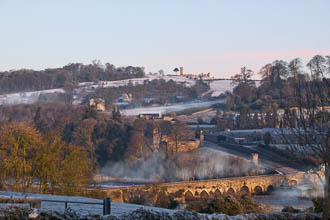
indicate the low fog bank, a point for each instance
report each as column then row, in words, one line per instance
column 169, row 108
column 299, row 197
column 202, row 163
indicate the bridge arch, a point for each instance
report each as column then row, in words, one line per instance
column 204, row 195
column 258, row 190
column 217, row 193
column 293, row 183
column 244, row 190
column 270, row 188
column 188, row 196
column 231, row 191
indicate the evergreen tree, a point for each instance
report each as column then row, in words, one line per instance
column 231, row 122
column 256, row 123
column 269, row 120
column 274, row 118
column 37, row 119
column 198, row 132
column 116, row 114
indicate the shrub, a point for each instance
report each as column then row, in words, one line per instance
column 198, row 206
column 248, row 205
column 227, row 204
column 318, row 205
column 16, row 212
column 166, row 201
column 290, row 209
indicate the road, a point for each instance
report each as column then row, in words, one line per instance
column 169, row 108
column 267, row 159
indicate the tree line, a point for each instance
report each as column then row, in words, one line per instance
column 67, row 77
column 305, row 98
column 278, row 82
column 30, row 159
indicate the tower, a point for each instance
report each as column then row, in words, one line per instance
column 156, row 139
column 181, row 71
column 254, row 158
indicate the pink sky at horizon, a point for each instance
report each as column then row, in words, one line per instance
column 230, row 63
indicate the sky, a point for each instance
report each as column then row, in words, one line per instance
column 215, row 36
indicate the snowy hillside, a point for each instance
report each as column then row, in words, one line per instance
column 26, row 97
column 85, row 88
column 136, row 81
column 220, row 86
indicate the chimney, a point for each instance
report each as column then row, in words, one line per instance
column 254, row 157
column 181, row 71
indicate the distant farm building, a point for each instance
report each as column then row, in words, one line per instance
column 155, row 115
column 125, row 98
column 195, row 76
column 98, row 103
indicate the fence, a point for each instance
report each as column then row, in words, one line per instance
column 36, row 203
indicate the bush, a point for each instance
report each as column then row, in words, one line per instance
column 290, row 209
column 155, row 198
column 227, row 204
column 166, row 201
column 198, row 206
column 318, row 205
column 15, row 212
column 248, row 205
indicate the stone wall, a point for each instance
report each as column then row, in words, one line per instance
column 183, row 146
column 173, row 146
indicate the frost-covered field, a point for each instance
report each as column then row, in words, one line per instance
column 136, row 81
column 220, row 86
column 25, row 97
column 117, row 208
column 216, row 87
column 86, row 88
column 121, row 211
column 168, row 109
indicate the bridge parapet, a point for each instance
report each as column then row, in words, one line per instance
column 216, row 187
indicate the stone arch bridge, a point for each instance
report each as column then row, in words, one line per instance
column 188, row 190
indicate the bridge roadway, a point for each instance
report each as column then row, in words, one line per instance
column 188, row 190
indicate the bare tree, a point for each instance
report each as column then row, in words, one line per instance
column 279, row 71
column 266, row 72
column 328, row 64
column 295, row 67
column 243, row 77
column 310, row 134
column 317, row 66
column 179, row 133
